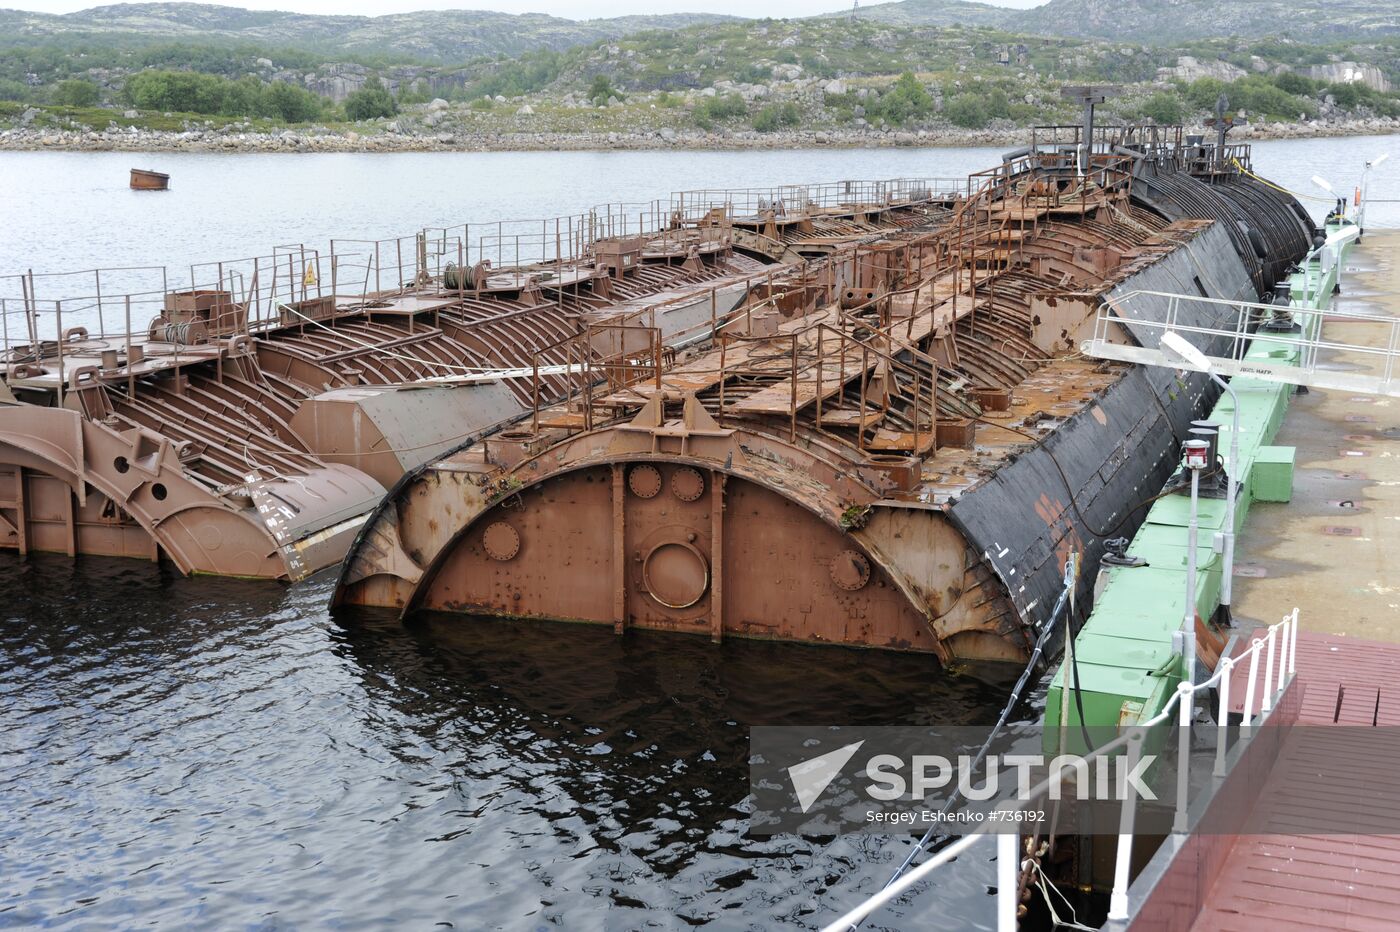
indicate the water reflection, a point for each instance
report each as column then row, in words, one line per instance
column 199, row 751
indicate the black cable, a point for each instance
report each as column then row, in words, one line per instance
column 1078, row 694
column 1001, row 722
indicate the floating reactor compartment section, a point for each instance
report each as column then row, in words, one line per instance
column 253, row 424
column 893, row 446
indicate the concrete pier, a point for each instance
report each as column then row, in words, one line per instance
column 1334, row 550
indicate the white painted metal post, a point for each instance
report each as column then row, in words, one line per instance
column 1118, row 900
column 1188, row 621
column 1231, row 492
column 1285, row 639
column 1184, row 696
column 1222, row 717
column 1267, row 702
column 1249, row 688
column 1293, row 645
column 1008, row 880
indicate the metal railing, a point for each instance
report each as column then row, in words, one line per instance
column 1265, row 681
column 40, row 311
column 799, row 200
column 1230, row 331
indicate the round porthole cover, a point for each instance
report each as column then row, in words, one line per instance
column 644, row 481
column 502, row 542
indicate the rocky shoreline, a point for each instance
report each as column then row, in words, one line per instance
column 232, row 139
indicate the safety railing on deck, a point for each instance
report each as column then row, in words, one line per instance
column 613, row 355
column 798, row 200
column 252, row 294
column 1271, row 662
column 1231, row 339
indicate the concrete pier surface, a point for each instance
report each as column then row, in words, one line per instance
column 1334, row 550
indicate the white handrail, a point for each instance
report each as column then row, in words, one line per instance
column 1281, row 638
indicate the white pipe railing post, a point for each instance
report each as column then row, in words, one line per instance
column 1281, row 637
column 1293, row 645
column 1008, row 880
column 1249, row 688
column 1267, row 702
column 1222, row 717
column 1184, row 693
column 1118, row 901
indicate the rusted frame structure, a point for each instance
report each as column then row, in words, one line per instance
column 239, row 392
column 861, row 453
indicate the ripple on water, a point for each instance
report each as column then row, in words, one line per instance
column 202, row 751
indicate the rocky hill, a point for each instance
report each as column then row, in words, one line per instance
column 931, row 13
column 435, row 35
column 1161, row 21
column 454, row 36
column 1174, row 20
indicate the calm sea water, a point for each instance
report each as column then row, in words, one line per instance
column 179, row 752
column 73, row 210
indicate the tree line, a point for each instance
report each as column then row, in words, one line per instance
column 209, row 94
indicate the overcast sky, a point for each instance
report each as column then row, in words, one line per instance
column 574, row 9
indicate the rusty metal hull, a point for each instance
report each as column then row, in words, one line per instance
column 894, row 448
column 143, row 179
column 250, row 429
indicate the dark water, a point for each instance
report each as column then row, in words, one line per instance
column 206, row 753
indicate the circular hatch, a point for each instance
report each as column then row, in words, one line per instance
column 644, row 481
column 676, row 574
column 687, row 484
column 849, row 570
column 501, row 541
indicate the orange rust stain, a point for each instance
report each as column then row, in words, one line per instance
column 1052, row 512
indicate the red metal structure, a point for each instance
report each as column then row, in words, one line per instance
column 866, row 455
column 250, row 427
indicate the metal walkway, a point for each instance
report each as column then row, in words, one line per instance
column 1281, row 876
column 1301, row 359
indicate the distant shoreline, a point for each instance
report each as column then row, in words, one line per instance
column 28, row 139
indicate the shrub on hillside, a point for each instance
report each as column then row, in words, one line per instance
column 75, row 93
column 1163, row 108
column 777, row 116
column 187, row 92
column 712, row 110
column 370, row 102
column 968, row 111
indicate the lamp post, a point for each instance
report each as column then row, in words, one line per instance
column 1197, row 453
column 1191, row 358
column 1361, row 190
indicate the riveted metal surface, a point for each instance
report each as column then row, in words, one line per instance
column 687, row 484
column 845, row 515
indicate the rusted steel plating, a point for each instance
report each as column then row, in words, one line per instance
column 813, row 473
column 249, row 427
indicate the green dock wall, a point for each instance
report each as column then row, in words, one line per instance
column 1127, row 665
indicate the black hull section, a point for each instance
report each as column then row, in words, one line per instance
column 1268, row 229
column 1094, row 471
